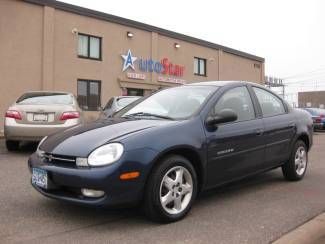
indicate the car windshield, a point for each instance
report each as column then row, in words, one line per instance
column 124, row 101
column 45, row 99
column 173, row 103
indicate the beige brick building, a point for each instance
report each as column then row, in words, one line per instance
column 312, row 99
column 50, row 45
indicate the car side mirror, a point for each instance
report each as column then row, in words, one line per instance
column 224, row 116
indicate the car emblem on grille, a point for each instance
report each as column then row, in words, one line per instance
column 50, row 158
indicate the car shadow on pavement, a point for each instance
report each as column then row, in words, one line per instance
column 244, row 185
column 25, row 148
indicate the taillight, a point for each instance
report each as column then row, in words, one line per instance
column 322, row 116
column 13, row 114
column 318, row 120
column 69, row 115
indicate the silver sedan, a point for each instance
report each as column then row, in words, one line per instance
column 38, row 114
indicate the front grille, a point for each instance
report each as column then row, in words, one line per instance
column 60, row 160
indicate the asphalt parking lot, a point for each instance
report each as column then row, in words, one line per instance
column 256, row 210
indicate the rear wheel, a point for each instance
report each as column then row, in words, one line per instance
column 12, row 145
column 171, row 190
column 295, row 168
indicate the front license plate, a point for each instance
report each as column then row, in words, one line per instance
column 40, row 117
column 39, row 178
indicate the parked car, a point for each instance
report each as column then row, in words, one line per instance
column 318, row 116
column 115, row 104
column 38, row 114
column 202, row 135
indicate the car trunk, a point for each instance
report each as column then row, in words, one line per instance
column 42, row 114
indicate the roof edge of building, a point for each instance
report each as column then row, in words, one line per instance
column 135, row 24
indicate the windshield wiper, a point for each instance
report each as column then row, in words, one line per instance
column 148, row 115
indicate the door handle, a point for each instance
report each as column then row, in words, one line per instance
column 259, row 132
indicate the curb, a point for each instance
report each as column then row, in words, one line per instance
column 311, row 232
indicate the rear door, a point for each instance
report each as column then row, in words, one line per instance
column 235, row 149
column 279, row 124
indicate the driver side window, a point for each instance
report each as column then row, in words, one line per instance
column 238, row 100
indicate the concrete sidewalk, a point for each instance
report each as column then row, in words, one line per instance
column 312, row 232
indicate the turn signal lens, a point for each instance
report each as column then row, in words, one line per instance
column 13, row 114
column 130, row 175
column 69, row 115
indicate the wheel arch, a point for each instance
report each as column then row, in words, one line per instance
column 191, row 154
column 305, row 138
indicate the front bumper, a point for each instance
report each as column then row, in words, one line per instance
column 65, row 183
column 33, row 132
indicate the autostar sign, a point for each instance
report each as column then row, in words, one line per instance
column 163, row 67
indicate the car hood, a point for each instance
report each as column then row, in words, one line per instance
column 83, row 139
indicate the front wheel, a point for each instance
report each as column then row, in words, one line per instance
column 171, row 190
column 295, row 168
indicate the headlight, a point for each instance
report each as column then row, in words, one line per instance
column 38, row 151
column 106, row 154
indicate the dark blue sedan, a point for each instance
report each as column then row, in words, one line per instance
column 318, row 116
column 162, row 150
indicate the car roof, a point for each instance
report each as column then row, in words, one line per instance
column 127, row 96
column 45, row 92
column 221, row 83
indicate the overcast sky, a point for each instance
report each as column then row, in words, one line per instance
column 289, row 34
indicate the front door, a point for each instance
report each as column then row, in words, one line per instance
column 235, row 149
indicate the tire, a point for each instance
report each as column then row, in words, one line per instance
column 12, row 145
column 295, row 168
column 179, row 193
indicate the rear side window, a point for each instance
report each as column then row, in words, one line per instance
column 238, row 100
column 45, row 99
column 270, row 104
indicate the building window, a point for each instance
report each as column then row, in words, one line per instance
column 200, row 66
column 89, row 47
column 135, row 92
column 89, row 94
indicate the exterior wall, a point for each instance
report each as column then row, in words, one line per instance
column 39, row 52
column 68, row 67
column 315, row 99
column 185, row 54
column 238, row 68
column 21, row 27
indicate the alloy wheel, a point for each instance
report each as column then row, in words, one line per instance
column 176, row 190
column 300, row 160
